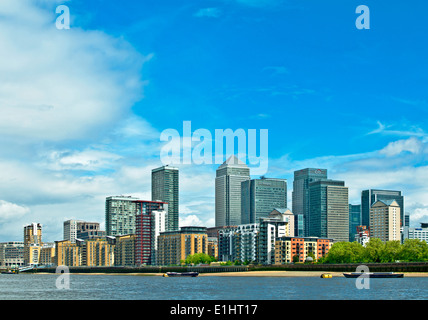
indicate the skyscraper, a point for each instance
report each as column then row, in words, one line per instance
column 229, row 177
column 328, row 210
column 260, row 196
column 369, row 197
column 165, row 187
column 300, row 195
column 354, row 220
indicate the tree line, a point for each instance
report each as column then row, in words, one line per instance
column 376, row 251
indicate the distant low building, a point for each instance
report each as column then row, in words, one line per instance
column 419, row 233
column 362, row 235
column 12, row 254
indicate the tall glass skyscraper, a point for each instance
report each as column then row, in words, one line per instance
column 300, row 195
column 354, row 220
column 328, row 210
column 229, row 177
column 260, row 196
column 165, row 187
column 369, row 197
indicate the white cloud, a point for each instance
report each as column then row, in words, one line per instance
column 394, row 148
column 190, row 220
column 10, row 210
column 62, row 84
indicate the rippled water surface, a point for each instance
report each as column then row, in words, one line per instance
column 130, row 287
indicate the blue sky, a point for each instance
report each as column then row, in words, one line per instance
column 83, row 108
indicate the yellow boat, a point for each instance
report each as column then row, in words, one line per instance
column 326, row 275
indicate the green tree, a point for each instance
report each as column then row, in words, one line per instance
column 414, row 250
column 198, row 258
column 391, row 251
column 374, row 250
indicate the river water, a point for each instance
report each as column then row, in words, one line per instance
column 131, row 287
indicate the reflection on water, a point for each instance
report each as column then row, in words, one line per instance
column 127, row 287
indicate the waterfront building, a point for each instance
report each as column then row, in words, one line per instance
column 260, row 196
column 96, row 252
column 419, row 233
column 67, row 254
column 354, row 220
column 151, row 220
column 362, row 235
column 300, row 195
column 328, row 216
column 385, row 220
column 120, row 215
column 165, row 188
column 47, row 254
column 124, row 250
column 239, row 243
column 275, row 225
column 229, row 177
column 175, row 246
column 213, row 247
column 12, row 254
column 298, row 249
column 32, row 243
column 370, row 196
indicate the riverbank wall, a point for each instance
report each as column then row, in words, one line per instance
column 372, row 267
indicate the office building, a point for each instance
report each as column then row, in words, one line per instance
column 175, row 246
column 165, row 188
column 385, row 220
column 328, row 210
column 260, row 196
column 370, row 196
column 354, row 220
column 300, row 195
column 12, row 254
column 229, row 177
column 420, row 233
column 299, row 225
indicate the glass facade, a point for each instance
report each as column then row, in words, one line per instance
column 165, row 187
column 354, row 220
column 369, row 197
column 229, row 177
column 328, row 210
column 302, row 179
column 260, row 196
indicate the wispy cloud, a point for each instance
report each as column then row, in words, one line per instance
column 208, row 12
column 384, row 129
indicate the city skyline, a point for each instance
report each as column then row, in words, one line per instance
column 83, row 109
